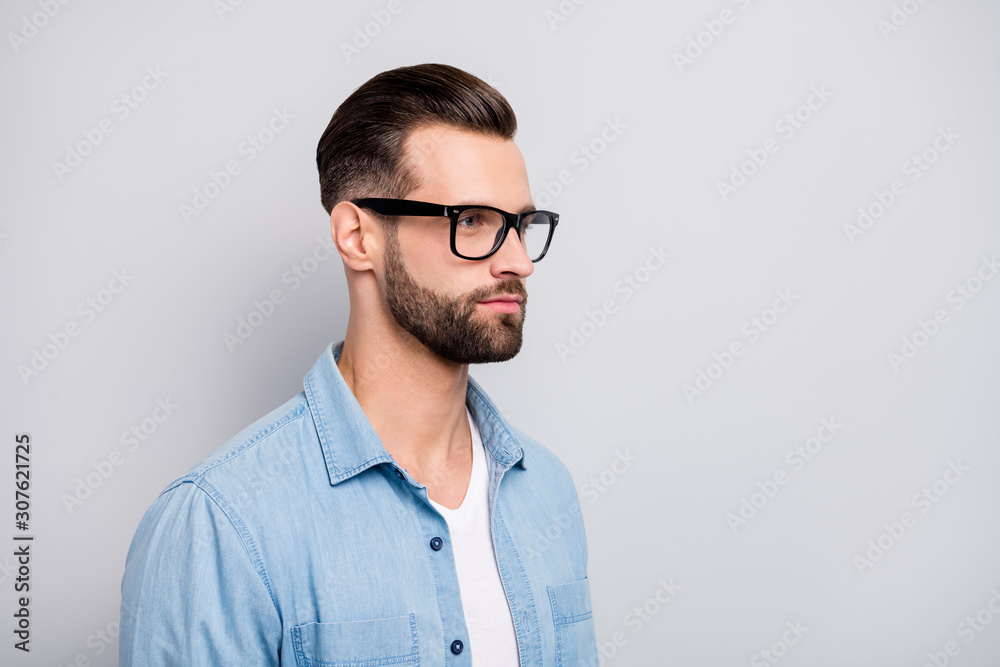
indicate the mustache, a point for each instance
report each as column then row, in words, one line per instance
column 507, row 287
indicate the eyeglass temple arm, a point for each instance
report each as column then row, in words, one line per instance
column 404, row 207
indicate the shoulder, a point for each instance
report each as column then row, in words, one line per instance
column 215, row 499
column 554, row 502
column 268, row 439
column 542, row 461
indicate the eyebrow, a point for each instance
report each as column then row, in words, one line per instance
column 477, row 202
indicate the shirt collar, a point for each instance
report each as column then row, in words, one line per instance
column 350, row 444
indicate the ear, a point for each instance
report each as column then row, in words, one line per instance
column 358, row 236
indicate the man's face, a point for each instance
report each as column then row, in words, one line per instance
column 436, row 296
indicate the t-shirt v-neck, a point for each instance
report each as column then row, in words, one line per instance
column 478, row 481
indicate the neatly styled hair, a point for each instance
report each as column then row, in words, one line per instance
column 361, row 152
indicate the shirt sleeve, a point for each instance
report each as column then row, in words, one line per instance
column 194, row 591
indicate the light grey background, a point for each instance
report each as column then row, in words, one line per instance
column 661, row 517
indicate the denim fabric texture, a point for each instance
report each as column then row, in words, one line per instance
column 300, row 541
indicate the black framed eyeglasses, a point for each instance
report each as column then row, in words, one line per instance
column 477, row 231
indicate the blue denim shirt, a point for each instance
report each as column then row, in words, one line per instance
column 300, row 541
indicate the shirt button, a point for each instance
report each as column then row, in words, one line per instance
column 457, row 646
column 436, row 544
column 398, row 473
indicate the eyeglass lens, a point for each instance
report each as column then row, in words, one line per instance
column 478, row 231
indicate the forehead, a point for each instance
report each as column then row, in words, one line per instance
column 458, row 165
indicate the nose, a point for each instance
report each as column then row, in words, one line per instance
column 512, row 256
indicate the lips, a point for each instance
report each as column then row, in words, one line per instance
column 504, row 303
column 515, row 298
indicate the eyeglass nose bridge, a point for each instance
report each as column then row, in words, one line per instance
column 511, row 221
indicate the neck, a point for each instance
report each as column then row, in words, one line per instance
column 414, row 399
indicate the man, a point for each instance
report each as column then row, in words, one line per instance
column 388, row 514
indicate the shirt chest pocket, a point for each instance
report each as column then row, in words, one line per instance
column 367, row 643
column 574, row 626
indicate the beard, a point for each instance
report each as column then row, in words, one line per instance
column 451, row 327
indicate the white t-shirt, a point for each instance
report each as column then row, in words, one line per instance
column 487, row 614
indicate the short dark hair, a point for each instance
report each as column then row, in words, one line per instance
column 361, row 151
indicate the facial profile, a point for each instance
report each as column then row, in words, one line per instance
column 433, row 294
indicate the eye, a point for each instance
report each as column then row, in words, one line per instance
column 470, row 219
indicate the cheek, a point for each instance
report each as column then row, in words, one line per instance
column 422, row 249
column 428, row 258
